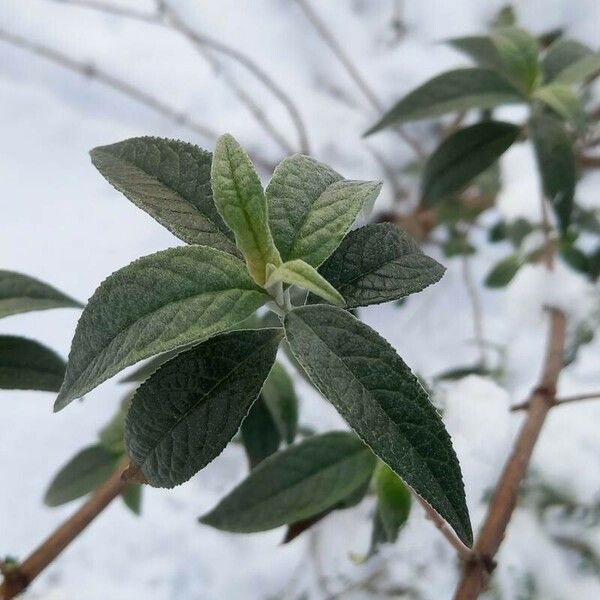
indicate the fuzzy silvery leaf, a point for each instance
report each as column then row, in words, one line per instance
column 240, row 199
column 20, row 293
column 379, row 397
column 170, row 180
column 302, row 481
column 156, row 304
column 311, row 208
column 562, row 54
column 28, row 365
column 183, row 416
column 518, row 52
column 378, row 263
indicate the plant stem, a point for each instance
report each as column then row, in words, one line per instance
column 504, row 500
column 560, row 401
column 22, row 575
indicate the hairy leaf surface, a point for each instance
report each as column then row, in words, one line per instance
column 20, row 293
column 374, row 390
column 463, row 156
column 81, row 475
column 28, row 365
column 170, row 180
column 300, row 482
column 556, row 163
column 183, row 416
column 378, row 263
column 241, row 201
column 458, row 90
column 297, row 272
column 156, row 304
column 311, row 208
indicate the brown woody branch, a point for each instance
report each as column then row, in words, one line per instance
column 560, row 401
column 19, row 577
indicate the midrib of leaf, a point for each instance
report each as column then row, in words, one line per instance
column 201, row 399
column 368, row 392
column 332, row 466
column 173, row 302
column 247, row 218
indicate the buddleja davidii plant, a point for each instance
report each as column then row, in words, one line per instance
column 26, row 364
column 247, row 247
column 513, row 67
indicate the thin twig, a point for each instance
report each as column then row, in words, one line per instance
column 353, row 71
column 463, row 552
column 178, row 25
column 504, row 500
column 476, row 309
column 21, row 576
column 91, row 71
column 559, row 401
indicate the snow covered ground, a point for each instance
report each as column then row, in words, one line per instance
column 60, row 221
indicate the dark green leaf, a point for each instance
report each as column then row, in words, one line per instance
column 460, row 372
column 132, row 497
column 503, row 272
column 183, row 416
column 21, row 293
column 81, row 475
column 28, row 365
column 374, row 390
column 464, row 155
column 393, row 501
column 561, row 55
column 241, row 202
column 170, row 180
column 156, row 304
column 260, row 434
column 280, row 398
column 302, row 481
column 575, row 258
column 311, row 208
column 378, row 263
column 452, row 91
column 556, row 163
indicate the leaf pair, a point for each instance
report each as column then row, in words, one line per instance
column 26, row 364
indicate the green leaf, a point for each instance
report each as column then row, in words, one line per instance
column 170, row 180
column 300, row 482
column 297, row 272
column 479, row 48
column 452, row 91
column 562, row 100
column 556, row 163
column 241, row 202
column 156, row 304
column 393, row 501
column 378, row 263
column 518, row 52
column 28, row 365
column 280, row 398
column 561, row 55
column 503, row 272
column 376, row 393
column 581, row 70
column 463, row 156
column 260, row 434
column 311, row 208
column 21, row 293
column 186, row 413
column 132, row 497
column 81, row 475
column 112, row 435
column 575, row 258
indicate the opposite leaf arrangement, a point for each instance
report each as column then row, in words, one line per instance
column 289, row 248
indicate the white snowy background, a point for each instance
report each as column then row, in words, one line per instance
column 60, row 221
